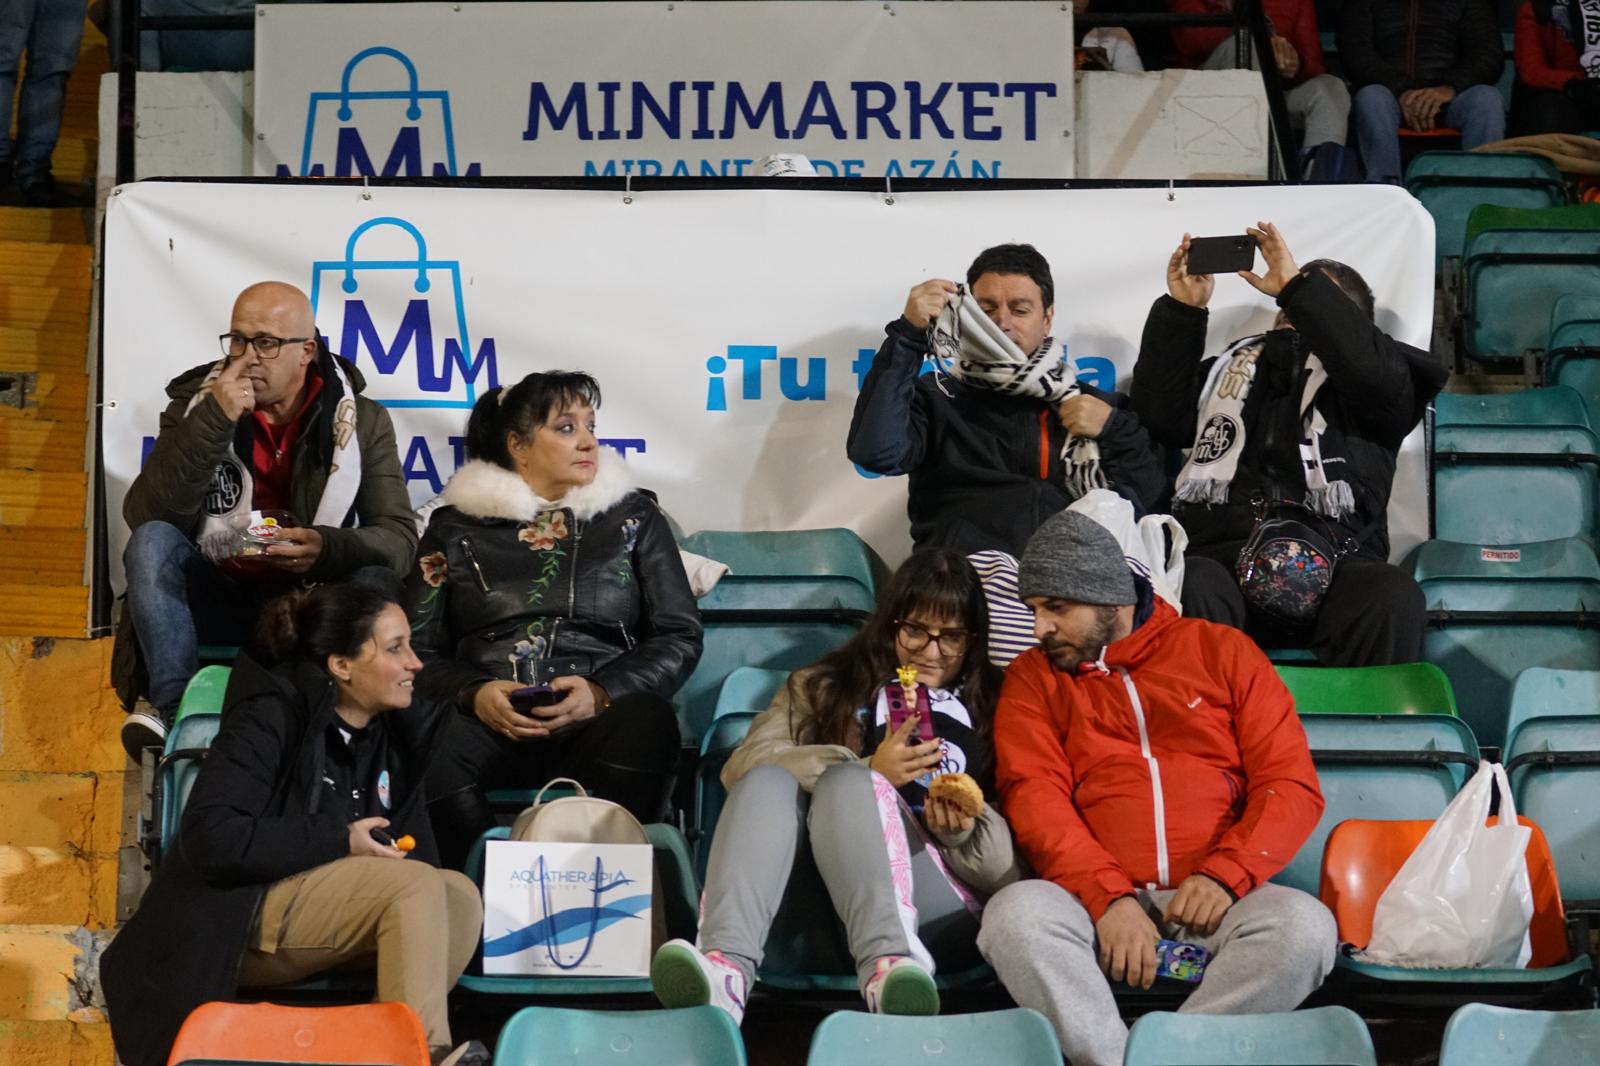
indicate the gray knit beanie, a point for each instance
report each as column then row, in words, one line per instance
column 1073, row 557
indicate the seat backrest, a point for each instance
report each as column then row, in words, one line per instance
column 1321, row 1036
column 1372, row 766
column 1482, row 1035
column 782, row 646
column 1576, row 367
column 1541, row 692
column 1554, row 766
column 1363, row 856
column 726, row 733
column 1463, row 563
column 749, row 688
column 203, row 694
column 560, row 1036
column 196, row 732
column 1510, row 280
column 1017, row 1037
column 1449, row 185
column 1483, row 658
column 1408, row 688
column 1451, row 442
column 1500, row 502
column 382, row 1034
column 1551, row 406
column 1575, row 320
column 824, row 553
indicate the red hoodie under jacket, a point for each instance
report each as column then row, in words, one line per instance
column 1179, row 752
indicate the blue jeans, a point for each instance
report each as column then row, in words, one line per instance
column 49, row 31
column 1479, row 113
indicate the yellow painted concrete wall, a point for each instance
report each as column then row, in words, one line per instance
column 62, row 774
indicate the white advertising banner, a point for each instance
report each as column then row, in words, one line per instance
column 696, row 89
column 729, row 329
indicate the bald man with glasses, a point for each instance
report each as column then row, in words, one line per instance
column 276, row 424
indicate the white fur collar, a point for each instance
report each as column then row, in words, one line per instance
column 486, row 490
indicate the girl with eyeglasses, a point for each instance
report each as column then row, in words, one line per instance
column 827, row 802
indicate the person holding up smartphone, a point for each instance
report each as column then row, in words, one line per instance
column 1308, row 416
column 821, row 812
column 552, row 611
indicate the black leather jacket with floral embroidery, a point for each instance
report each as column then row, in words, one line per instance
column 509, row 586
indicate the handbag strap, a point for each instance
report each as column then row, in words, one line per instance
column 553, row 782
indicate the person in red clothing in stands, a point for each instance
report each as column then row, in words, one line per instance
column 1156, row 776
column 1319, row 103
column 1553, row 92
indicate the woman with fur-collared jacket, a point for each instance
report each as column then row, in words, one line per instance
column 547, row 566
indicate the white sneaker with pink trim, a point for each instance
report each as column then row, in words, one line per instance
column 901, row 986
column 684, row 976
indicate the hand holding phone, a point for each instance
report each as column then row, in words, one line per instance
column 524, row 700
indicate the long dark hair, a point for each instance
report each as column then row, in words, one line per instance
column 316, row 623
column 523, row 408
column 936, row 583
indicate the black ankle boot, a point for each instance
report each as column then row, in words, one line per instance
column 459, row 819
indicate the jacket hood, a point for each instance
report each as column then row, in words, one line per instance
column 487, row 490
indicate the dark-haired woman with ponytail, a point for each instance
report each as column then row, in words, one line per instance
column 545, row 568
column 829, row 802
column 293, row 857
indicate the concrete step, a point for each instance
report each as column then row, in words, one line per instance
column 60, row 350
column 65, row 266
column 42, row 445
column 43, row 307
column 58, row 225
column 54, row 556
column 29, row 498
column 74, row 158
column 29, row 610
column 54, row 397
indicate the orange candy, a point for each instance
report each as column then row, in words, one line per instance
column 406, row 843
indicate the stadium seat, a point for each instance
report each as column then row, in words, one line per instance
column 555, row 1036
column 1408, row 688
column 1495, row 611
column 1016, row 1037
column 1378, row 766
column 1554, row 767
column 679, row 896
column 203, row 694
column 1573, row 355
column 1450, row 184
column 175, row 775
column 366, row 1034
column 1540, row 692
column 726, row 733
column 1321, row 1036
column 748, row 689
column 1524, row 407
column 1481, row 1035
column 1363, row 856
column 1514, row 265
column 797, row 570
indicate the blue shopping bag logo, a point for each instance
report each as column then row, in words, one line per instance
column 409, row 129
column 402, row 319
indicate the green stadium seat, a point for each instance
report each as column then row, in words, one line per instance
column 1363, row 856
column 1514, row 266
column 1408, row 688
column 1017, row 1037
column 558, row 1036
column 1451, row 184
column 1554, row 767
column 679, row 896
column 1540, row 692
column 1320, row 1036
column 1482, row 1035
column 1379, row 766
column 203, row 694
column 1496, row 611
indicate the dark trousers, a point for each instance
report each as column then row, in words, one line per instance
column 627, row 753
column 1374, row 613
column 1536, row 111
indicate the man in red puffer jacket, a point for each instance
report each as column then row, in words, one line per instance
column 1155, row 776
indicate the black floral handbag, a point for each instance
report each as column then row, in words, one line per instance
column 1287, row 564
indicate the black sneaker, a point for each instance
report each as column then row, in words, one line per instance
column 472, row 1053
column 141, row 730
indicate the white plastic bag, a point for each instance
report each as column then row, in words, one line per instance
column 1462, row 899
column 1144, row 542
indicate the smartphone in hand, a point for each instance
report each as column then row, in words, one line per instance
column 1221, row 255
column 525, row 699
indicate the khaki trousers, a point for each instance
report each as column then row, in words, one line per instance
column 421, row 923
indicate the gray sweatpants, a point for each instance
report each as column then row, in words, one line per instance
column 782, row 862
column 1273, row 949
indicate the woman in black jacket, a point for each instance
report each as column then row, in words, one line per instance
column 287, row 863
column 547, row 569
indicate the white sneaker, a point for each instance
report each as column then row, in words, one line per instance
column 901, row 986
column 684, row 976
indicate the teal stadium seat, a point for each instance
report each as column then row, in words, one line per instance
column 749, row 689
column 1496, row 611
column 1554, row 767
column 1451, row 184
column 1405, row 688
column 780, row 646
column 678, row 894
column 1514, row 266
column 1321, row 1036
column 1482, row 1035
column 1573, row 355
column 179, row 766
column 726, row 733
column 557, row 1036
column 1540, row 692
column 1017, row 1037
column 1382, row 767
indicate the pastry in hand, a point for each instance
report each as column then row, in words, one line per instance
column 958, row 790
